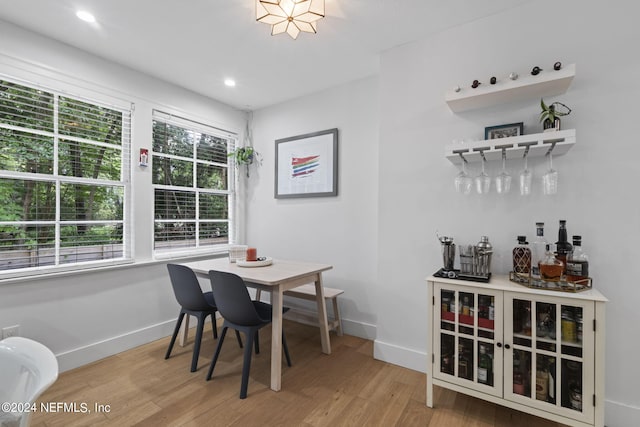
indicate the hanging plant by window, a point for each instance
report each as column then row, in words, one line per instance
column 245, row 156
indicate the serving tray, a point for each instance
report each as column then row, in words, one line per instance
column 261, row 263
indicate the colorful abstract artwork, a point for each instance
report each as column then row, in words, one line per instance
column 307, row 165
column 303, row 166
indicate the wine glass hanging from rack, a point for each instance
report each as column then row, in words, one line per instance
column 523, row 147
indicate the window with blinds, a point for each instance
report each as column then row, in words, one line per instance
column 64, row 186
column 193, row 184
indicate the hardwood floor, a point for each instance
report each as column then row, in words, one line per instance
column 346, row 388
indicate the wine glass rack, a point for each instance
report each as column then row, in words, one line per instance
column 515, row 147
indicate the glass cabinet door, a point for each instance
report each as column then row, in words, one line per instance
column 467, row 338
column 571, row 369
column 544, row 357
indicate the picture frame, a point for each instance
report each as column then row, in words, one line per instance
column 307, row 165
column 504, row 131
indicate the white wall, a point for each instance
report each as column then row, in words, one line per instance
column 87, row 316
column 598, row 176
column 336, row 230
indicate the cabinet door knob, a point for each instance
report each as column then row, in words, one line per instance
column 499, row 344
column 507, row 346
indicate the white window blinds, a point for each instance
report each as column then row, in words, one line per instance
column 64, row 179
column 193, row 184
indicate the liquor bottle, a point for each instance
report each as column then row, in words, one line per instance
column 463, row 362
column 518, row 323
column 466, row 307
column 569, row 326
column 526, row 324
column 538, row 246
column 446, row 364
column 542, row 380
column 518, row 383
column 572, row 398
column 483, row 307
column 518, row 379
column 445, row 304
column 579, row 325
column 550, row 267
column 577, row 262
column 468, row 353
column 552, row 380
column 550, row 321
column 485, row 367
column 563, row 247
column 522, row 257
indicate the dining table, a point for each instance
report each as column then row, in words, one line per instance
column 279, row 276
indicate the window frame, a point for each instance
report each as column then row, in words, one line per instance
column 57, row 178
column 192, row 125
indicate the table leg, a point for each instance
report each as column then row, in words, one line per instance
column 276, row 339
column 322, row 315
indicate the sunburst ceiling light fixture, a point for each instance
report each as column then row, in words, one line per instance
column 290, row 16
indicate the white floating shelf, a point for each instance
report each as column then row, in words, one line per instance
column 537, row 144
column 548, row 83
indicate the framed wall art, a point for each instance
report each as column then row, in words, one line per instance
column 307, row 165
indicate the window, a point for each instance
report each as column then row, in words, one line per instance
column 63, row 179
column 193, row 197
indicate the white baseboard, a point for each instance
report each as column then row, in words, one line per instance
column 349, row 327
column 99, row 350
column 401, row 356
column 618, row 414
column 363, row 330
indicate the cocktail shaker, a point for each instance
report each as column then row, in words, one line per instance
column 484, row 251
column 448, row 252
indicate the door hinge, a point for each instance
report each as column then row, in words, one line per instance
column 433, row 358
column 433, row 301
column 594, row 400
column 594, row 325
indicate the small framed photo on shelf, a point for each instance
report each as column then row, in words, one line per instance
column 504, row 131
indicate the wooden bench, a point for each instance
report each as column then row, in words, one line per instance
column 308, row 292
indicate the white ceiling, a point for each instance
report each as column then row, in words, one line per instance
column 196, row 44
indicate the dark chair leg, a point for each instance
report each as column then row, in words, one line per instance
column 196, row 347
column 239, row 339
column 257, row 339
column 175, row 334
column 217, row 353
column 286, row 350
column 214, row 325
column 246, row 365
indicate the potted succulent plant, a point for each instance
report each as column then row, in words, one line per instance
column 550, row 115
column 244, row 156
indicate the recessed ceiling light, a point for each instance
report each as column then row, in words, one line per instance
column 230, row 82
column 85, row 16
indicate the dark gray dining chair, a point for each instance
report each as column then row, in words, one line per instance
column 242, row 314
column 192, row 302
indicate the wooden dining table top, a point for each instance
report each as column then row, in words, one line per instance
column 279, row 272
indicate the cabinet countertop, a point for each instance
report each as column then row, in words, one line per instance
column 502, row 282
